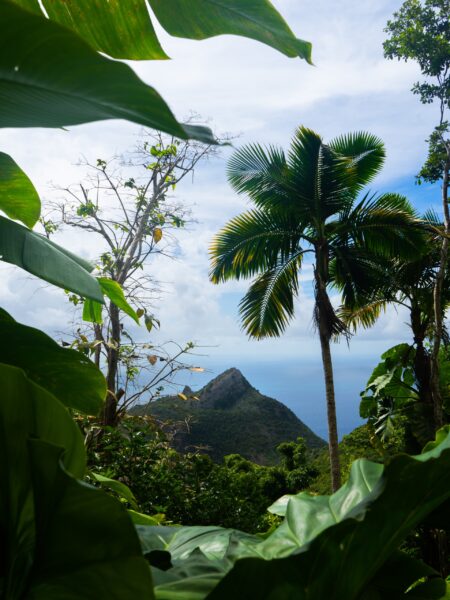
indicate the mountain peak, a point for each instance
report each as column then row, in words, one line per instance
column 225, row 390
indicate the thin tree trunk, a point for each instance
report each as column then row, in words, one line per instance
column 110, row 410
column 98, row 338
column 438, row 308
column 333, row 443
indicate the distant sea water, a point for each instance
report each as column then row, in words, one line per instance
column 299, row 385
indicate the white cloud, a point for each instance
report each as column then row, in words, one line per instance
column 250, row 89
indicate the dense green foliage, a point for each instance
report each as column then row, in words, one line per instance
column 61, row 538
column 339, row 546
column 190, row 488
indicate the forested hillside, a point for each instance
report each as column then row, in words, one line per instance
column 229, row 416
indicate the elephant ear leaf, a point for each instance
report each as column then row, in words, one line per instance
column 86, row 544
column 353, row 556
column 67, row 374
column 18, row 197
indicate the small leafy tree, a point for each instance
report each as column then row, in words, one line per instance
column 420, row 31
column 126, row 203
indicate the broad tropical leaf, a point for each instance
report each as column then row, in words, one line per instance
column 67, row 374
column 18, row 197
column 115, row 293
column 119, row 29
column 60, row 537
column 49, row 77
column 29, row 410
column 92, row 311
column 339, row 546
column 41, row 257
column 125, row 30
column 200, row 19
column 350, row 557
column 86, row 546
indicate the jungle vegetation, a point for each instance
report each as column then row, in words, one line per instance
column 62, row 537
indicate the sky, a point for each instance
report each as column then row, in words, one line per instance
column 249, row 90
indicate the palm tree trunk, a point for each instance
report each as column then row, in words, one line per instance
column 438, row 308
column 333, row 443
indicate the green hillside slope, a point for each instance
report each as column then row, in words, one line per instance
column 230, row 416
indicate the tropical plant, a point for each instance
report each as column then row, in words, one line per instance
column 339, row 546
column 420, row 32
column 394, row 390
column 59, row 537
column 41, row 43
column 307, row 203
column 125, row 204
column 406, row 283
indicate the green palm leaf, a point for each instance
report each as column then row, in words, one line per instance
column 366, row 155
column 268, row 306
column 319, row 180
column 261, row 174
column 385, row 225
column 251, row 243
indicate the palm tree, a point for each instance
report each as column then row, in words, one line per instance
column 306, row 202
column 408, row 283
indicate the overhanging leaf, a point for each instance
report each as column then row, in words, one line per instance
column 18, row 197
column 41, row 257
column 92, row 311
column 125, row 30
column 120, row 29
column 49, row 77
column 67, row 374
column 113, row 290
column 200, row 19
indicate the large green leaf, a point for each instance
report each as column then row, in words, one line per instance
column 86, row 546
column 18, row 197
column 41, row 257
column 339, row 546
column 120, row 29
column 124, row 29
column 66, row 373
column 345, row 559
column 200, row 19
column 59, row 537
column 49, row 77
column 92, row 311
column 27, row 411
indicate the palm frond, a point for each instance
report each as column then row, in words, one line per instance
column 252, row 243
column 385, row 225
column 360, row 277
column 365, row 316
column 365, row 154
column 318, row 175
column 260, row 173
column 268, row 306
